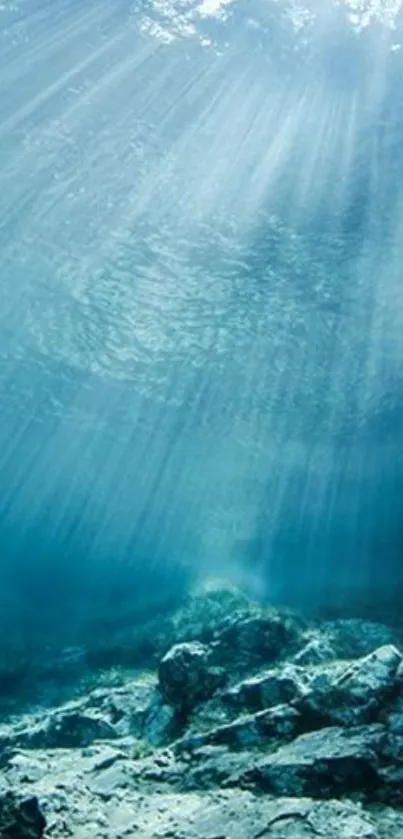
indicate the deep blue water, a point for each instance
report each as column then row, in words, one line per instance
column 201, row 328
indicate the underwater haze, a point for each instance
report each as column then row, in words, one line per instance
column 201, row 327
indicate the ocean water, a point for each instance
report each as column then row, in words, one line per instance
column 201, row 325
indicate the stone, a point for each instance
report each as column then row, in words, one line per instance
column 186, row 675
column 214, row 767
column 375, row 674
column 160, row 723
column 66, row 729
column 20, row 817
column 267, row 689
column 245, row 642
column 354, row 694
column 332, row 761
column 124, row 707
column 317, row 651
column 280, row 723
column 109, row 781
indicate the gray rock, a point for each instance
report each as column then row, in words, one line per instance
column 280, row 723
column 317, row 651
column 102, row 758
column 245, row 642
column 20, row 817
column 124, row 707
column 375, row 674
column 160, row 722
column 65, row 729
column 214, row 767
column 354, row 694
column 109, row 781
column 332, row 761
column 267, row 689
column 186, row 675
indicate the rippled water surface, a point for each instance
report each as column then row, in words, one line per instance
column 201, row 329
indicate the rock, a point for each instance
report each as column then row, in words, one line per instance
column 267, row 689
column 354, row 694
column 186, row 675
column 213, row 767
column 124, row 707
column 102, row 758
column 263, row 638
column 332, row 761
column 316, row 651
column 109, row 781
column 20, row 817
column 67, row 729
column 161, row 723
column 248, row 731
column 375, row 675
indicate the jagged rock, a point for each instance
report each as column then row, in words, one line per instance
column 20, row 817
column 186, row 675
column 375, row 674
column 161, row 722
column 317, row 650
column 109, row 781
column 354, row 694
column 248, row 731
column 332, row 761
column 245, row 642
column 137, row 709
column 211, row 714
column 267, row 689
column 125, row 706
column 100, row 758
column 67, row 729
column 214, row 767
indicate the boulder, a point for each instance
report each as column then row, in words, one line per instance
column 267, row 689
column 353, row 694
column 66, row 729
column 161, row 722
column 262, row 638
column 258, row 729
column 332, row 761
column 317, row 650
column 20, row 817
column 186, row 675
column 125, row 707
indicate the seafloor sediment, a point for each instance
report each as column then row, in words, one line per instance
column 245, row 723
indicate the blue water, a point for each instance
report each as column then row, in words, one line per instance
column 201, row 327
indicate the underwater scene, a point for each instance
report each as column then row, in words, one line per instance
column 201, row 419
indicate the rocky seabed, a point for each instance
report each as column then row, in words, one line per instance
column 255, row 723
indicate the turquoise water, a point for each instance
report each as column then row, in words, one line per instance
column 201, row 322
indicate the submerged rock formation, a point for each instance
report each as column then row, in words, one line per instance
column 264, row 726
